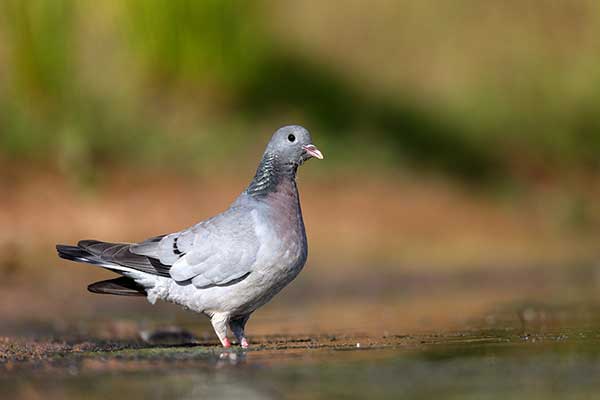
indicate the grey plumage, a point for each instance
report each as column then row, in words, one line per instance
column 229, row 265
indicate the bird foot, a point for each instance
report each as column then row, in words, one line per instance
column 244, row 343
column 226, row 343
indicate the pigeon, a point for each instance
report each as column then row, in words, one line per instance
column 229, row 265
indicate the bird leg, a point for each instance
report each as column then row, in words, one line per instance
column 219, row 323
column 237, row 326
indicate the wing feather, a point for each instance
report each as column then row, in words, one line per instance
column 217, row 252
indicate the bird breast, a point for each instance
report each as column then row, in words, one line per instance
column 280, row 231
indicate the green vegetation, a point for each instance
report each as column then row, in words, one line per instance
column 86, row 85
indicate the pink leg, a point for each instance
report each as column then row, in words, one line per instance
column 226, row 343
column 219, row 323
column 237, row 327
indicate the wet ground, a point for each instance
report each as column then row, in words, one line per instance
column 499, row 363
column 511, row 332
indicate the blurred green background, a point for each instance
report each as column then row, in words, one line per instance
column 461, row 143
column 482, row 92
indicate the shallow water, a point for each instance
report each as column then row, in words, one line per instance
column 476, row 364
column 531, row 334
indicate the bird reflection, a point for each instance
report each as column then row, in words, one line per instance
column 231, row 358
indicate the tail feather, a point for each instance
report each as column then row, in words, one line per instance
column 117, row 258
column 122, row 286
column 114, row 256
column 75, row 253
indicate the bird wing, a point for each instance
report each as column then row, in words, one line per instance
column 218, row 251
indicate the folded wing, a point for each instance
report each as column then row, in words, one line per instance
column 216, row 252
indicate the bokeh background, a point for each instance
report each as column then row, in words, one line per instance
column 460, row 184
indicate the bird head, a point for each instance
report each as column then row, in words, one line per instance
column 293, row 144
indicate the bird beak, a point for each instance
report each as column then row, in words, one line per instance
column 312, row 150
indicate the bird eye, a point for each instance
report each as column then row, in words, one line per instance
column 291, row 138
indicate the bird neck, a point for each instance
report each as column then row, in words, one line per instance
column 271, row 173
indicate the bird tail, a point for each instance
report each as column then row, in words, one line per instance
column 78, row 254
column 122, row 286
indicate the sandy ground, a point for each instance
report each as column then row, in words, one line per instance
column 92, row 354
column 390, row 254
column 410, row 287
column 535, row 362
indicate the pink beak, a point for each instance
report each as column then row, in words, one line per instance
column 312, row 150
